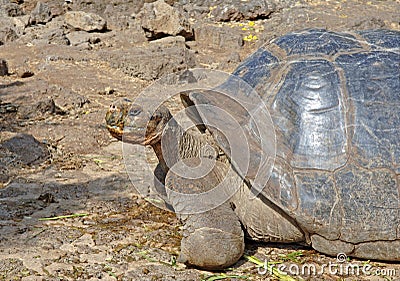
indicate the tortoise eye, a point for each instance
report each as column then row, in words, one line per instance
column 134, row 112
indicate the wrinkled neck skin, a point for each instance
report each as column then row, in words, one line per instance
column 176, row 144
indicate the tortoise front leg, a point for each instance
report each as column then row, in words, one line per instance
column 212, row 236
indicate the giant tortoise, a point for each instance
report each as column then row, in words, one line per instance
column 334, row 182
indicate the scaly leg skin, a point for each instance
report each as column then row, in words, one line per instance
column 159, row 188
column 212, row 237
column 262, row 220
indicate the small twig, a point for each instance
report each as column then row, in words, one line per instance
column 152, row 200
column 59, row 139
column 63, row 217
column 223, row 276
column 36, row 234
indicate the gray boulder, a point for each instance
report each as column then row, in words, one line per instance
column 159, row 19
column 218, row 37
column 8, row 32
column 239, row 10
column 51, row 36
column 152, row 62
column 233, row 10
column 9, row 9
column 85, row 21
column 78, row 38
column 41, row 14
column 169, row 41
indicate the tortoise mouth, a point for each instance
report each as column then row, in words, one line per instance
column 116, row 132
column 115, row 123
column 130, row 137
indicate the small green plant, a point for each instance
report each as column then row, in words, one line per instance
column 291, row 256
column 268, row 267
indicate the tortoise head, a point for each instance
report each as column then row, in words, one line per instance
column 134, row 124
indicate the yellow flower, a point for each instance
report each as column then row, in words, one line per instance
column 250, row 37
column 251, row 23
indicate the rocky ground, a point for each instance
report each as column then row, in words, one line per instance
column 61, row 64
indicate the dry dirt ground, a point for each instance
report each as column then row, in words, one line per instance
column 59, row 85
